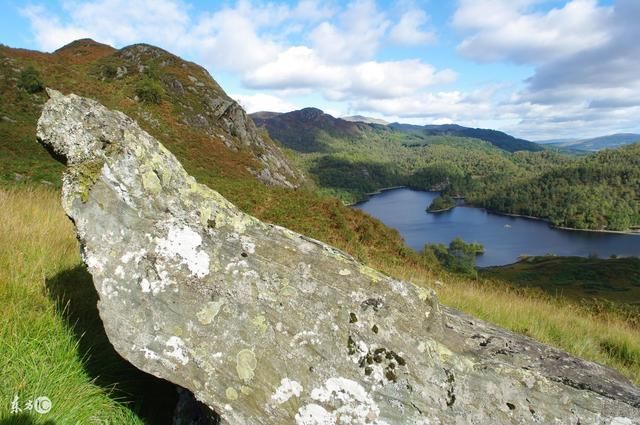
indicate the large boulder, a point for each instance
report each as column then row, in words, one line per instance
column 267, row 326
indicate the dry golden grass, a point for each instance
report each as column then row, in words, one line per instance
column 603, row 337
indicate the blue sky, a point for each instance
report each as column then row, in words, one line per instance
column 535, row 68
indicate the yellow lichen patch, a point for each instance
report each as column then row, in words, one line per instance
column 84, row 176
column 261, row 323
column 209, row 312
column 231, row 393
column 245, row 364
column 205, row 215
column 151, row 182
column 375, row 275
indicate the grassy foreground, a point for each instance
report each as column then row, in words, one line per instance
column 52, row 342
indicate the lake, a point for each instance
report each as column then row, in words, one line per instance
column 504, row 238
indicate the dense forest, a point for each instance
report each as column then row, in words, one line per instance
column 600, row 191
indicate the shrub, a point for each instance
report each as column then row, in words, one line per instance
column 149, row 91
column 30, row 80
column 109, row 71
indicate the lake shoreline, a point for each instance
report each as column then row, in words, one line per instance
column 441, row 210
column 496, row 212
column 546, row 220
column 404, row 210
column 377, row 192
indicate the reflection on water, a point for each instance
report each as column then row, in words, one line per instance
column 504, row 238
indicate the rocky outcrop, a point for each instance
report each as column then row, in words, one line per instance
column 267, row 326
column 203, row 105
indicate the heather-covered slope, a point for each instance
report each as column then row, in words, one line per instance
column 175, row 100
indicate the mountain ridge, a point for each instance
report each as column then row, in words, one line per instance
column 368, row 120
column 595, row 144
column 273, row 122
column 176, row 100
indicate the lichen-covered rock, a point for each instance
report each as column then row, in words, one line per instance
column 267, row 326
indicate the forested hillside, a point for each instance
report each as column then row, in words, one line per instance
column 599, row 191
column 350, row 159
column 496, row 138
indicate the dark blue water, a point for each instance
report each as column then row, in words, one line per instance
column 504, row 238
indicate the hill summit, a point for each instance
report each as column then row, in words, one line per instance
column 176, row 100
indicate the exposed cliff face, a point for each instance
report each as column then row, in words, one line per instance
column 267, row 326
column 193, row 115
column 202, row 104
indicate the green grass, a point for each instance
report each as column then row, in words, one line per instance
column 51, row 339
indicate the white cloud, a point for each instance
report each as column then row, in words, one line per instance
column 50, row 34
column 356, row 35
column 510, row 30
column 409, row 30
column 300, row 67
column 116, row 22
column 263, row 102
column 296, row 67
column 395, row 78
column 313, row 10
column 229, row 39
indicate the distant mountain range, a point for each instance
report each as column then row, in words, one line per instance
column 297, row 130
column 497, row 138
column 368, row 120
column 596, row 143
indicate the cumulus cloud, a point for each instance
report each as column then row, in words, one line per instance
column 116, row 22
column 585, row 56
column 410, row 29
column 356, row 35
column 301, row 67
column 263, row 102
column 49, row 32
column 502, row 30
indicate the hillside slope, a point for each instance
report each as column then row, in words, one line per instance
column 599, row 191
column 596, row 143
column 175, row 100
column 351, row 158
column 497, row 138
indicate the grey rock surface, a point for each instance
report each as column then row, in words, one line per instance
column 267, row 326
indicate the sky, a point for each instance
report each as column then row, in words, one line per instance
column 538, row 69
